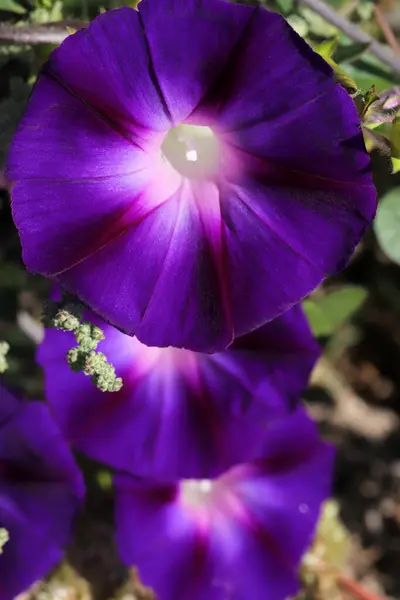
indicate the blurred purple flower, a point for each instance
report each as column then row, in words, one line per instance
column 238, row 537
column 40, row 493
column 189, row 170
column 181, row 414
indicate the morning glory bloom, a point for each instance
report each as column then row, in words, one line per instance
column 41, row 490
column 179, row 413
column 238, row 537
column 189, row 170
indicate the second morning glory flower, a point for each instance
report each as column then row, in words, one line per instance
column 189, row 170
column 181, row 413
column 238, row 537
column 41, row 490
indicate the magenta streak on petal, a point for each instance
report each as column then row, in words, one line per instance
column 206, row 407
column 201, row 407
column 274, row 230
column 143, row 361
column 254, row 165
column 242, row 39
column 224, row 364
column 278, row 118
column 112, row 124
column 207, row 199
column 133, row 214
column 238, row 509
column 183, row 88
column 153, row 74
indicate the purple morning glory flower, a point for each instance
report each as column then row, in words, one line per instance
column 181, row 413
column 40, row 492
column 190, row 170
column 238, row 537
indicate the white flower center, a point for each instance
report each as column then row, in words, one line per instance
column 196, row 492
column 192, row 151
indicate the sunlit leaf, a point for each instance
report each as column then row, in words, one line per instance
column 327, row 48
column 284, row 6
column 327, row 313
column 342, row 77
column 387, row 224
column 377, row 141
column 396, row 164
column 317, row 24
column 12, row 6
column 365, row 79
column 299, row 25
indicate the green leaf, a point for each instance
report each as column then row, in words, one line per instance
column 327, row 313
column 104, row 479
column 361, row 73
column 387, row 224
column 375, row 140
column 342, row 77
column 327, row 48
column 350, row 52
column 317, row 24
column 299, row 25
column 395, row 164
column 285, row 6
column 11, row 6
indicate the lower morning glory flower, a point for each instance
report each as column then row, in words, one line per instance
column 181, row 413
column 40, row 493
column 190, row 170
column 238, row 537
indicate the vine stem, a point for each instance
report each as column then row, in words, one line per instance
column 49, row 33
column 384, row 53
column 357, row 590
column 386, row 29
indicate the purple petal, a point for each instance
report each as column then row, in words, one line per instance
column 40, row 493
column 100, row 209
column 108, row 66
column 190, row 44
column 67, row 140
column 181, row 248
column 289, row 258
column 239, row 536
column 181, row 414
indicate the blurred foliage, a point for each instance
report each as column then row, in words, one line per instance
column 328, row 311
column 327, row 557
column 387, row 224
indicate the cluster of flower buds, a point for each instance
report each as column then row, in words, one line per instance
column 67, row 316
column 4, row 349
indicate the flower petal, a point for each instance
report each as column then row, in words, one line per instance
column 93, row 213
column 40, row 492
column 181, row 414
column 272, row 73
column 299, row 236
column 175, row 254
column 96, row 194
column 248, row 537
column 190, row 43
column 108, row 65
column 61, row 137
